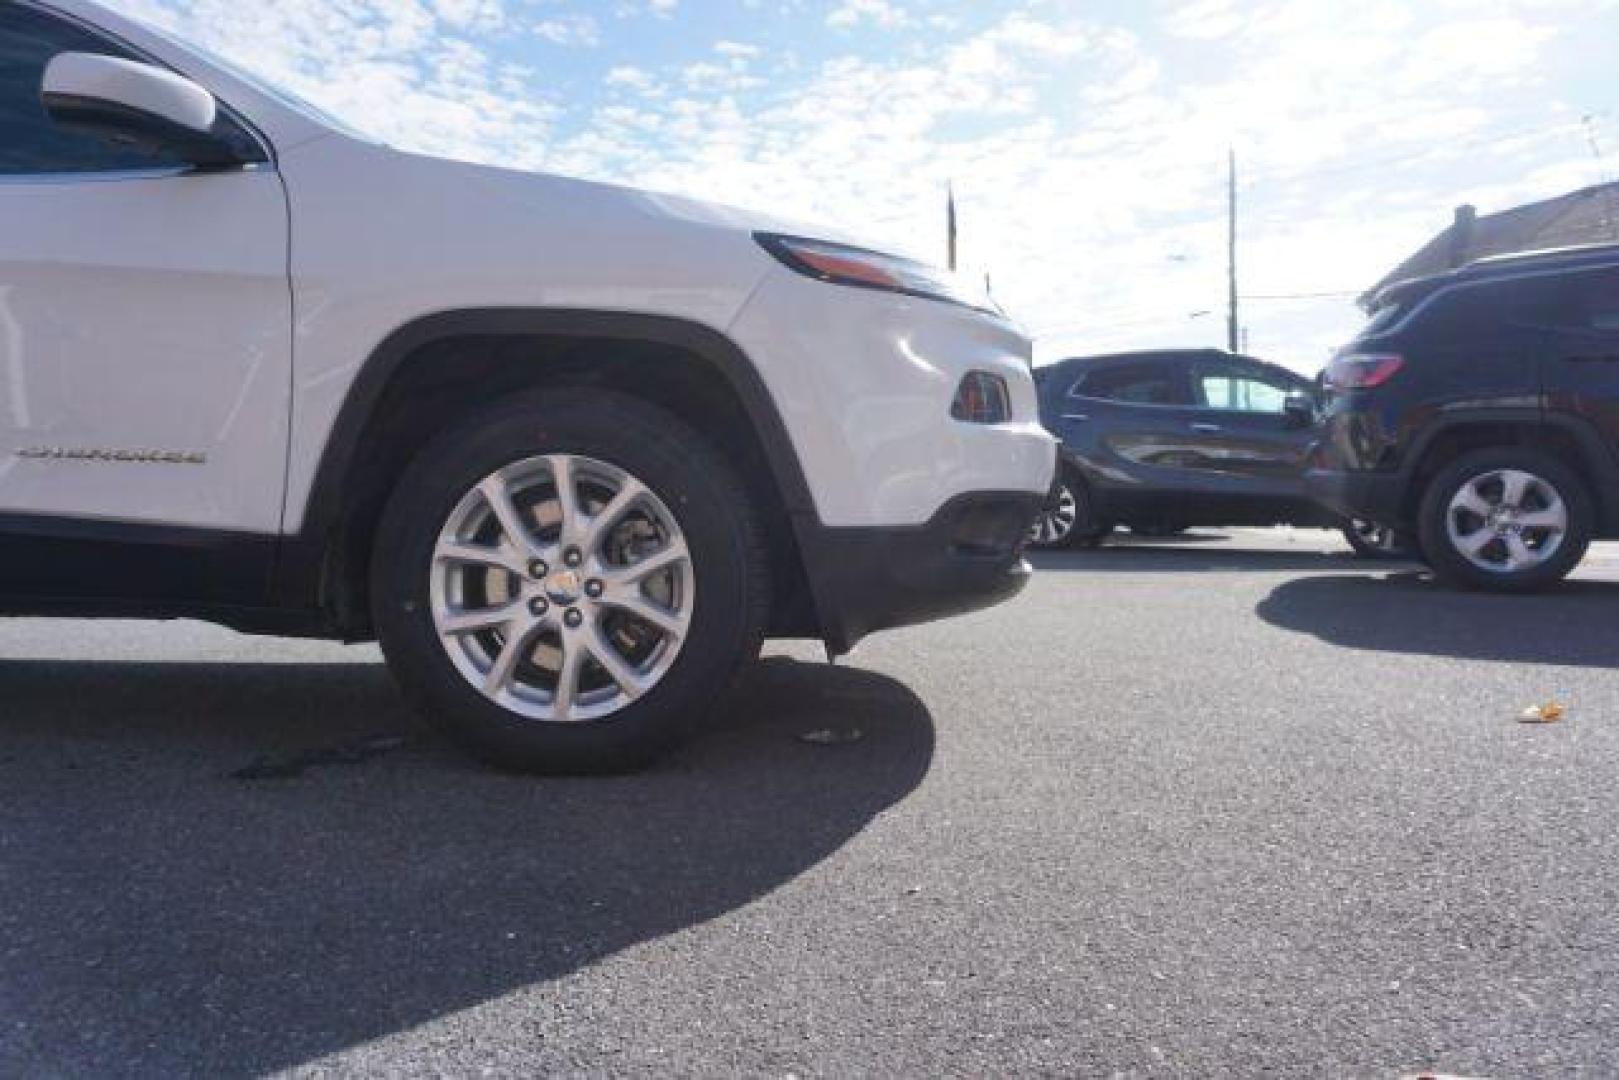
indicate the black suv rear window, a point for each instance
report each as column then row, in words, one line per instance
column 1381, row 319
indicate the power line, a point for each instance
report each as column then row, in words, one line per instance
column 1341, row 294
column 1093, row 328
column 1585, row 124
column 1176, row 319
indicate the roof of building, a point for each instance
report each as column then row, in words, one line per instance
column 1584, row 217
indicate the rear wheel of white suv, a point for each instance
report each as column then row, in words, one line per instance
column 565, row 582
column 1509, row 519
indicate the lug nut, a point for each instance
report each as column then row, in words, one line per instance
column 594, row 589
column 538, row 606
column 573, row 618
column 538, row 569
column 573, row 557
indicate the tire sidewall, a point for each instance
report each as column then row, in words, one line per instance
column 1060, row 485
column 1086, row 531
column 658, row 451
column 1452, row 566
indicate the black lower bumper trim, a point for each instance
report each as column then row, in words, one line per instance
column 1371, row 496
column 969, row 556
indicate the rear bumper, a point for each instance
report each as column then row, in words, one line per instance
column 968, row 556
column 1371, row 496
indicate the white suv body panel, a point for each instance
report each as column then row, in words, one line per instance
column 864, row 381
column 158, row 323
column 861, row 379
column 383, row 238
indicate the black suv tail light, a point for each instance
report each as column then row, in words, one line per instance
column 982, row 398
column 1363, row 371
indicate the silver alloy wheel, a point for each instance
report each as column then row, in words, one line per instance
column 1507, row 521
column 562, row 588
column 1057, row 520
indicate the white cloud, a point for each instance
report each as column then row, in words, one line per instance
column 1088, row 155
column 569, row 29
column 663, row 9
column 635, row 79
column 883, row 13
column 481, row 15
column 736, row 50
column 400, row 69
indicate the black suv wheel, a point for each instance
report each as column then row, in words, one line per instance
column 1067, row 520
column 566, row 581
column 1506, row 519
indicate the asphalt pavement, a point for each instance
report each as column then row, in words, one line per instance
column 1227, row 805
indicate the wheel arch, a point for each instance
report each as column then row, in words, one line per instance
column 1569, row 438
column 429, row 371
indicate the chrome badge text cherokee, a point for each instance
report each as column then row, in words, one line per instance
column 96, row 454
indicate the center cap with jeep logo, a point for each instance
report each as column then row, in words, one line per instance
column 563, row 587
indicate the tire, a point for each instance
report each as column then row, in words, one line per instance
column 1373, row 541
column 1465, row 500
column 675, row 638
column 1067, row 519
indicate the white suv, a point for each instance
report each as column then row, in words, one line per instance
column 570, row 451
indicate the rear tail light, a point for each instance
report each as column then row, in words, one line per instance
column 1363, row 371
column 982, row 398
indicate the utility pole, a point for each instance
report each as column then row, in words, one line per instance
column 1233, row 325
column 950, row 222
column 1590, row 122
column 1612, row 221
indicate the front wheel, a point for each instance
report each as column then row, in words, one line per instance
column 1505, row 520
column 564, row 582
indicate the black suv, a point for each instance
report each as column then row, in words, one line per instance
column 1480, row 409
column 1161, row 441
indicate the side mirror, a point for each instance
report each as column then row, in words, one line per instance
column 137, row 105
column 1299, row 411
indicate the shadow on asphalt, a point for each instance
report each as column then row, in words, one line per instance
column 1172, row 540
column 1179, row 557
column 1406, row 612
column 158, row 916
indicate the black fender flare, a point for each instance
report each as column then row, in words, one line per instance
column 1597, row 457
column 324, row 505
column 304, row 575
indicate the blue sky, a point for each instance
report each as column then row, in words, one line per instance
column 1086, row 139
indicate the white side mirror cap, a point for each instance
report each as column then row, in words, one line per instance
column 90, row 85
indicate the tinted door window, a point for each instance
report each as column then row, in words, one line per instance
column 30, row 143
column 1236, row 390
column 1135, row 384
